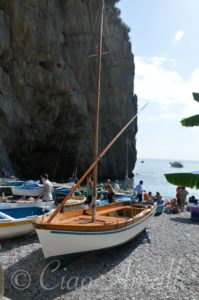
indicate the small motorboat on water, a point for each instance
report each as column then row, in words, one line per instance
column 176, row 164
column 16, row 221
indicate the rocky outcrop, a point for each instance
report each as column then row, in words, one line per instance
column 47, row 87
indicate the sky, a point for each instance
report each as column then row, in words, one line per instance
column 164, row 37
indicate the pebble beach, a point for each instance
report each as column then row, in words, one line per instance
column 165, row 268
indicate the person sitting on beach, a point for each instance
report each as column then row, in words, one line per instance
column 150, row 195
column 110, row 194
column 46, row 194
column 157, row 198
column 171, row 207
column 147, row 196
column 117, row 186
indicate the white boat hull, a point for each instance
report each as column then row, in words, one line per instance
column 58, row 243
column 41, row 204
column 34, row 192
column 11, row 227
column 15, row 229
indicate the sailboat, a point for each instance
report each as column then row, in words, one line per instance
column 69, row 233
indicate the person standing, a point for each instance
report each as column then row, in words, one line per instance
column 89, row 187
column 182, row 192
column 110, row 194
column 127, row 182
column 139, row 191
column 132, row 180
column 46, row 194
column 178, row 195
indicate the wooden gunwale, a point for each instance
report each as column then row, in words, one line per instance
column 74, row 221
column 17, row 223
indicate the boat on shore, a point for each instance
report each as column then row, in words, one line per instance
column 160, row 207
column 10, row 182
column 176, row 164
column 123, row 193
column 17, row 221
column 74, row 203
column 84, row 230
column 72, row 232
column 33, row 189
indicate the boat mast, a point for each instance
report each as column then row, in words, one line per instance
column 96, row 120
column 94, row 163
column 127, row 155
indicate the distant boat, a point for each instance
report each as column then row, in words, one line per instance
column 142, row 161
column 176, row 164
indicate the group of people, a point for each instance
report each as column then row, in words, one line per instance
column 177, row 204
column 143, row 195
column 109, row 189
column 172, row 206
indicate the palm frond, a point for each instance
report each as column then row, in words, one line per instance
column 196, row 96
column 191, row 121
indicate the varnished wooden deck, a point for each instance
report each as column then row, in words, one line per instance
column 108, row 217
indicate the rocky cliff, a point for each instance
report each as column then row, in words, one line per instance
column 47, row 87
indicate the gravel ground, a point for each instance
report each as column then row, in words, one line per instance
column 167, row 268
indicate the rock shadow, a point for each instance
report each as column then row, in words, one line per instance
column 185, row 220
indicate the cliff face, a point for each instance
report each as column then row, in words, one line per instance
column 47, row 87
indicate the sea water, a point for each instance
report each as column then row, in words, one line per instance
column 152, row 171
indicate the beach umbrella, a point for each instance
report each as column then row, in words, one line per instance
column 184, row 179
